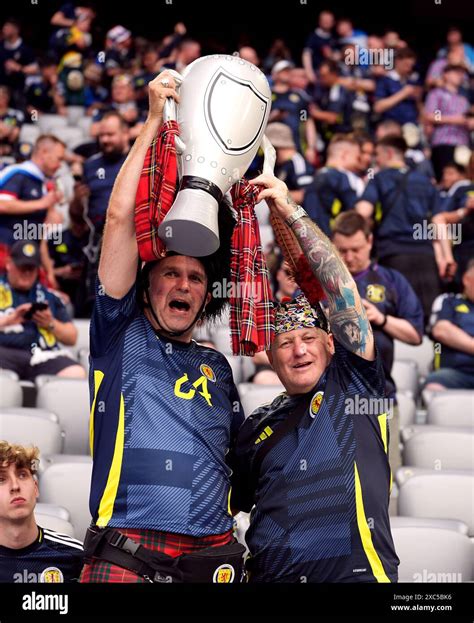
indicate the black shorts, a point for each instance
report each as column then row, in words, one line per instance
column 19, row 361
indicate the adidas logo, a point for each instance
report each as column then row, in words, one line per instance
column 267, row 431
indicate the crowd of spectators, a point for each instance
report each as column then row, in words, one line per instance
column 357, row 126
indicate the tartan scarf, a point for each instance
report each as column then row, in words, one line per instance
column 251, row 307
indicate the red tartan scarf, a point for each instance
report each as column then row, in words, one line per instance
column 251, row 307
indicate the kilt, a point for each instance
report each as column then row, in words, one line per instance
column 168, row 543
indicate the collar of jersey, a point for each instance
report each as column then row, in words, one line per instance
column 24, row 550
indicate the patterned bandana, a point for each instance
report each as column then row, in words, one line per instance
column 298, row 314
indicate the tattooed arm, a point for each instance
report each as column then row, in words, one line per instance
column 347, row 316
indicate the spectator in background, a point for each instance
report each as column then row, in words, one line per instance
column 124, row 103
column 68, row 258
column 278, row 51
column 392, row 40
column 452, row 325
column 336, row 186
column 415, row 159
column 28, row 552
column 92, row 193
column 186, row 52
column 41, row 89
column 150, row 67
column 392, row 307
column 67, row 14
column 455, row 56
column 453, row 186
column 291, row 167
column 332, row 105
column 319, row 45
column 24, row 195
column 75, row 38
column 264, row 374
column 405, row 202
column 348, row 34
column 290, row 106
column 286, row 286
column 11, row 121
column 366, row 158
column 398, row 94
column 445, row 114
column 118, row 51
column 30, row 314
column 458, row 212
column 454, row 38
column 95, row 94
column 249, row 54
column 17, row 60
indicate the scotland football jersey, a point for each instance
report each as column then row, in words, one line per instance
column 51, row 558
column 164, row 414
column 322, row 492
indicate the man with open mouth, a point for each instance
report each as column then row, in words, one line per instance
column 165, row 410
column 312, row 466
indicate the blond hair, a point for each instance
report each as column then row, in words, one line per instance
column 21, row 456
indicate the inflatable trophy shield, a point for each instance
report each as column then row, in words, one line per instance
column 223, row 112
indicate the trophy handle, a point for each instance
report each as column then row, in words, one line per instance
column 269, row 156
column 170, row 110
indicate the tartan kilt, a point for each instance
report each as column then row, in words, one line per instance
column 168, row 543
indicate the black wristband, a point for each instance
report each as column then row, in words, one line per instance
column 382, row 324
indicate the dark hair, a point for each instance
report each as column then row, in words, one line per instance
column 454, row 165
column 452, row 67
column 114, row 114
column 14, row 21
column 403, row 53
column 393, row 141
column 349, row 223
column 216, row 266
column 331, row 65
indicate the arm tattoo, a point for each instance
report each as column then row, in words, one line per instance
column 347, row 316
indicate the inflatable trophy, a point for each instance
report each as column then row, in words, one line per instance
column 223, row 112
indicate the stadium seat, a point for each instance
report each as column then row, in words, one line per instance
column 454, row 407
column 73, row 137
column 422, row 522
column 51, row 124
column 69, row 399
column 74, row 114
column 85, row 124
column 83, row 340
column 254, row 396
column 435, row 447
column 32, row 427
column 11, row 394
column 221, row 338
column 432, row 554
column 29, row 133
column 83, row 357
column 54, row 523
column 67, row 483
column 235, row 363
column 437, row 494
column 406, row 410
column 422, row 354
column 405, row 374
column 11, row 374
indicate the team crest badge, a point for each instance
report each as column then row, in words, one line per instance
column 315, row 404
column 51, row 575
column 224, row 574
column 208, row 372
column 375, row 293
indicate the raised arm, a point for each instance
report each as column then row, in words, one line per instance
column 347, row 316
column 119, row 257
